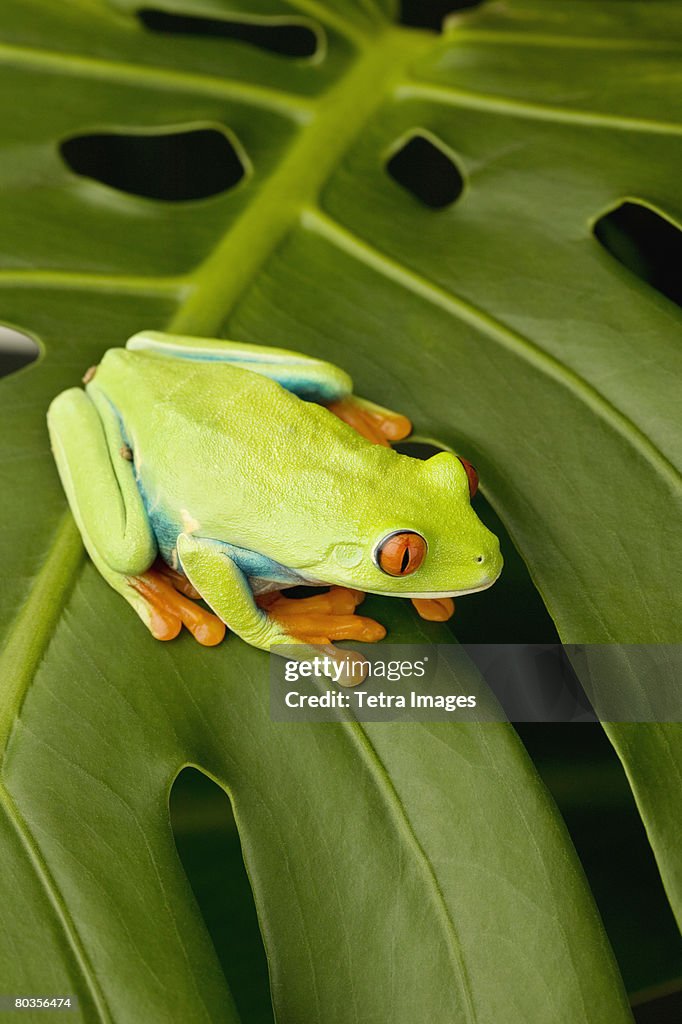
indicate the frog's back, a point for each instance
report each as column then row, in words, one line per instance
column 231, row 438
column 162, row 397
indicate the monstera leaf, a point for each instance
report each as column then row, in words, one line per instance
column 401, row 872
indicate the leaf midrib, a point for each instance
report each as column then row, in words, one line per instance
column 339, row 117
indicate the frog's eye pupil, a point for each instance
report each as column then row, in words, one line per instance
column 401, row 554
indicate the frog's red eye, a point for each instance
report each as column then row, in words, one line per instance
column 472, row 474
column 400, row 554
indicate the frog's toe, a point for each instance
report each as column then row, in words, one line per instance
column 335, row 601
column 435, row 609
column 163, row 625
column 379, row 425
column 169, row 609
column 321, row 618
column 391, row 425
column 331, row 626
column 177, row 580
column 352, row 668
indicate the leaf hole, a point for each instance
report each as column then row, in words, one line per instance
column 418, row 14
column 286, row 38
column 16, row 350
column 173, row 166
column 427, row 171
column 208, row 845
column 646, row 243
column 418, row 449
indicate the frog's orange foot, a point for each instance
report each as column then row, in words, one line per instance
column 435, row 609
column 379, row 425
column 323, row 617
column 167, row 594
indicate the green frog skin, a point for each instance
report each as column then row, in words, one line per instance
column 227, row 471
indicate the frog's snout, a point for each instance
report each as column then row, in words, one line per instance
column 489, row 560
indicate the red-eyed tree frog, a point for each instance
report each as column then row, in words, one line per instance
column 199, row 468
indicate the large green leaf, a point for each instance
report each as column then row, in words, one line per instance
column 401, row 872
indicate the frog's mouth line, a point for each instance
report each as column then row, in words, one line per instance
column 434, row 594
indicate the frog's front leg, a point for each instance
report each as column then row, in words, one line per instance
column 316, row 620
column 99, row 481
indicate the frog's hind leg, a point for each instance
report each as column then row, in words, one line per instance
column 167, row 593
column 98, row 477
column 312, row 379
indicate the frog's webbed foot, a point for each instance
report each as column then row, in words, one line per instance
column 379, row 425
column 434, row 609
column 322, row 618
column 166, row 595
column 269, row 621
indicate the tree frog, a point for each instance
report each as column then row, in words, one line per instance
column 200, row 468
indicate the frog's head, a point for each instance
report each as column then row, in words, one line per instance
column 418, row 535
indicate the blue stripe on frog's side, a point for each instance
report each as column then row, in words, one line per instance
column 165, row 531
column 262, row 572
column 283, row 368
